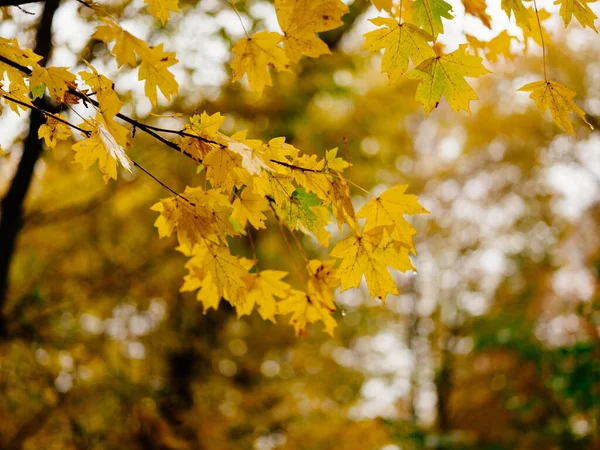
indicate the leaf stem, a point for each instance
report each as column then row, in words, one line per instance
column 537, row 16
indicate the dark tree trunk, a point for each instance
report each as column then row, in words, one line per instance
column 11, row 212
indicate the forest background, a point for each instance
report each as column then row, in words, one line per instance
column 494, row 342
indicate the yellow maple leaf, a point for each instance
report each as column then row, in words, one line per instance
column 402, row 41
column 109, row 101
column 249, row 207
column 254, row 55
column 306, row 309
column 154, row 61
column 218, row 274
column 301, row 19
column 558, row 99
column 3, row 153
column 516, row 7
column 333, row 162
column 385, row 5
column 19, row 92
column 58, row 80
column 476, row 8
column 444, row 75
column 387, row 210
column 126, row 44
column 160, row 8
column 493, row 49
column 154, row 70
column 103, row 147
column 323, row 280
column 262, row 290
column 360, row 257
column 578, row 8
column 53, row 131
column 9, row 48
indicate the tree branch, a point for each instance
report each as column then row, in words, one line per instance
column 18, row 2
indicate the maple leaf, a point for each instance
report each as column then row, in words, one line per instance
column 304, row 211
column 428, row 15
column 360, row 257
column 254, row 54
column 444, row 75
column 206, row 127
column 126, row 44
column 9, row 48
column 402, row 41
column 558, row 99
column 516, row 7
column 383, row 5
column 154, row 61
column 477, row 8
column 251, row 160
column 102, row 146
column 109, row 101
column 218, row 274
column 387, row 210
column 58, row 80
column 493, row 49
column 578, row 8
column 301, row 19
column 306, row 309
column 53, row 131
column 154, row 70
column 323, row 280
column 160, row 8
column 19, row 92
column 249, row 207
column 333, row 162
column 262, row 290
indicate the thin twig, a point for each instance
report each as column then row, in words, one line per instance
column 162, row 184
column 47, row 114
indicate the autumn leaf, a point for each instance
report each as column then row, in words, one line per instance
column 53, row 131
column 249, row 207
column 160, row 8
column 387, row 211
column 493, row 49
column 516, row 8
column 305, row 309
column 444, row 75
column 402, row 41
column 254, row 55
column 262, row 290
column 558, row 99
column 217, row 274
column 103, row 147
column 428, row 14
column 109, row 101
column 300, row 20
column 578, row 8
column 476, row 8
column 154, row 61
column 58, row 80
column 360, row 258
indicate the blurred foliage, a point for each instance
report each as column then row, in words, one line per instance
column 493, row 345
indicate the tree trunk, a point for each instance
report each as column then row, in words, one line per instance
column 11, row 219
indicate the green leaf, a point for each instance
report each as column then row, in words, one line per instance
column 38, row 91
